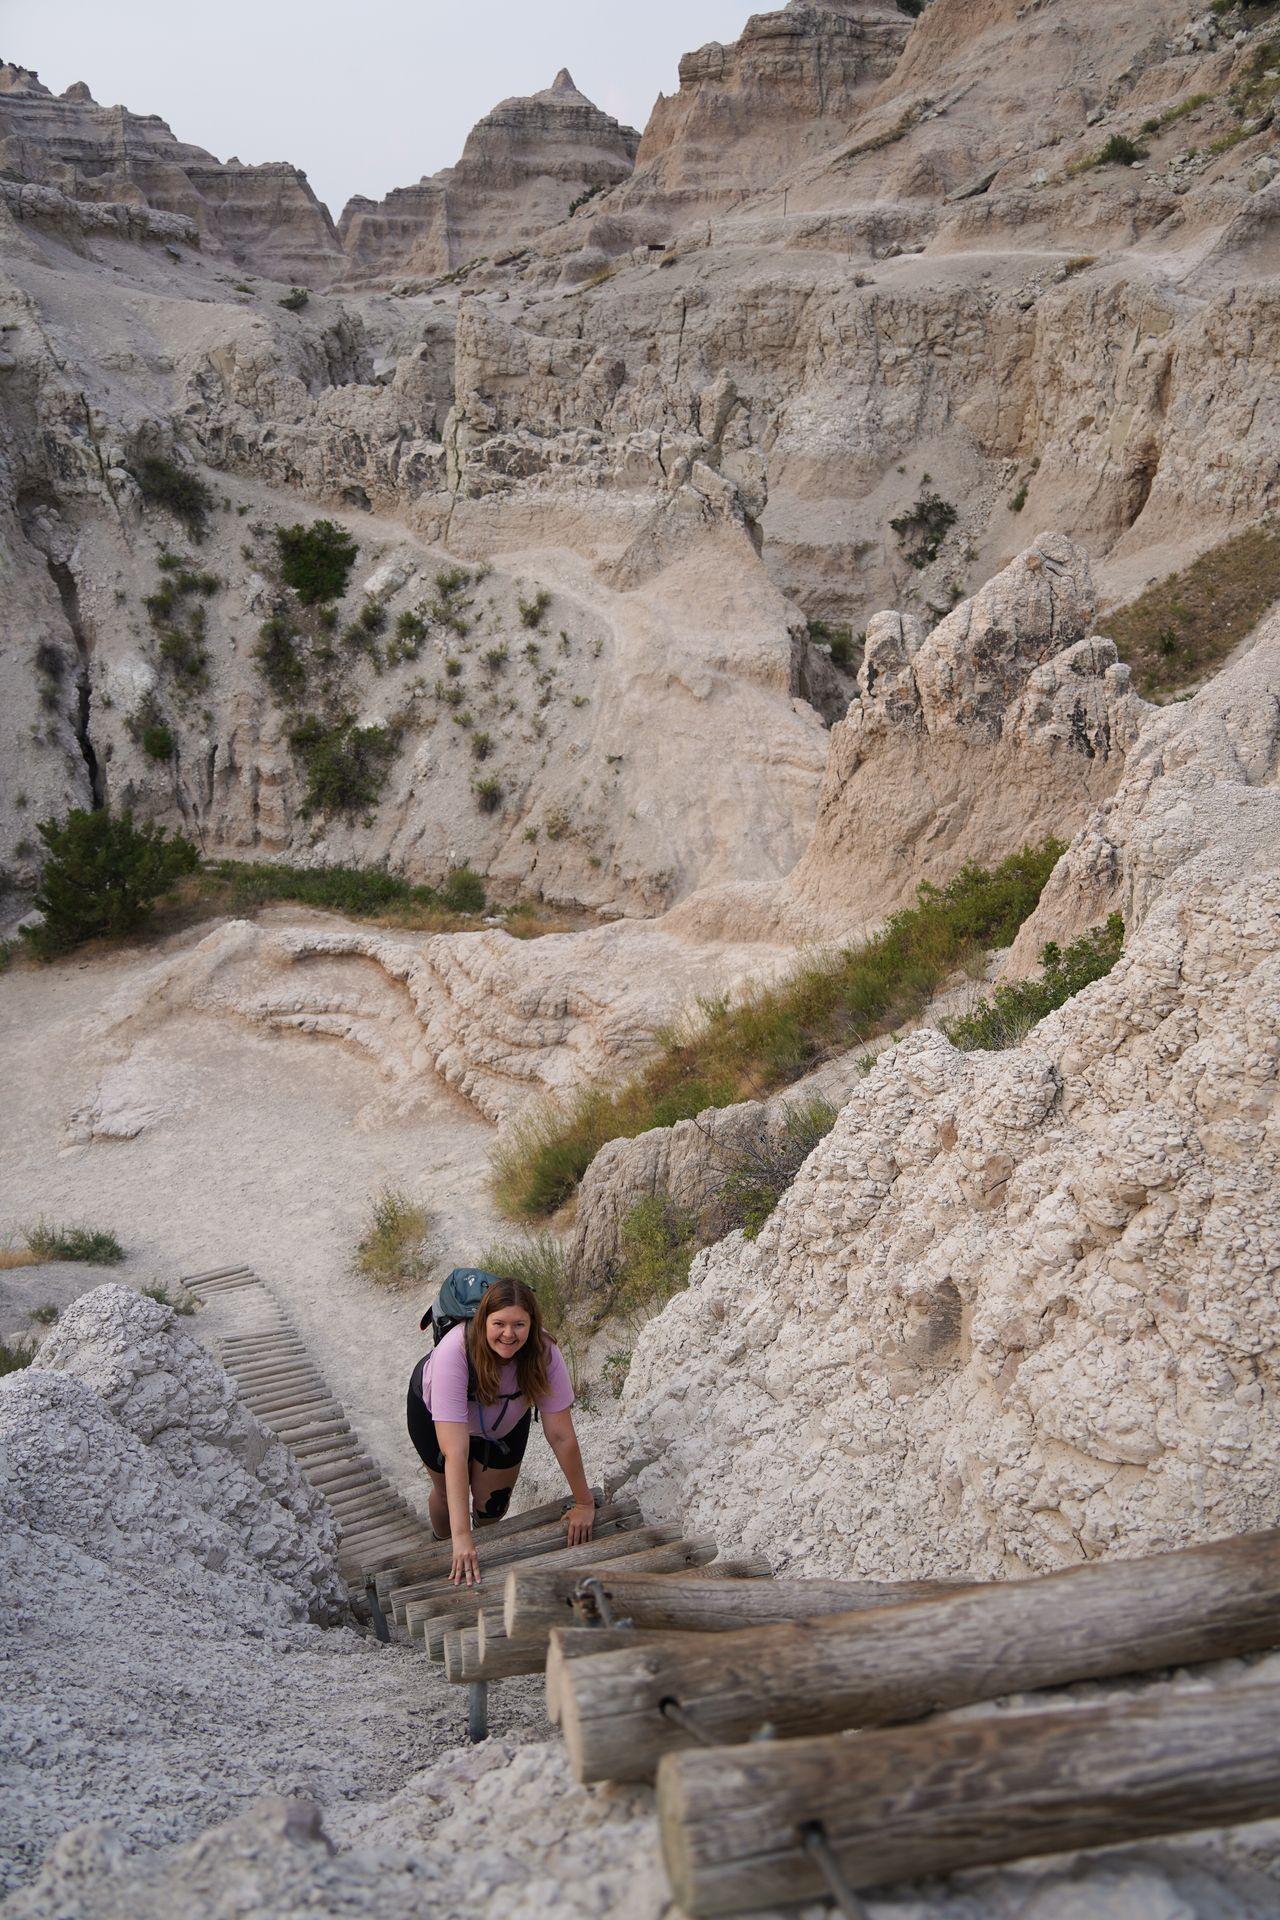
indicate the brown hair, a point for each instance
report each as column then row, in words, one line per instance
column 531, row 1360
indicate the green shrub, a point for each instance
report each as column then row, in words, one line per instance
column 488, row 794
column 1119, row 151
column 538, row 1261
column 923, row 529
column 44, row 1316
column 838, row 641
column 176, row 489
column 316, row 561
column 15, row 1355
column 496, row 658
column 390, row 1251
column 278, row 660
column 556, row 823
column 102, row 875
column 1013, row 1010
column 533, row 612
column 1019, row 499
column 657, row 1242
column 346, row 765
column 481, row 745
column 759, row 1174
column 295, row 301
column 183, row 1303
column 778, row 1033
column 91, row 1245
column 157, row 741
column 464, row 891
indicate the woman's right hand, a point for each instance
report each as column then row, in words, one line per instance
column 466, row 1562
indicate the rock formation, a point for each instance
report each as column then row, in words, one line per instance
column 1045, row 1278
column 521, row 170
column 748, row 113
column 265, row 218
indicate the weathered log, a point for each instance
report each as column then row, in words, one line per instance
column 436, row 1560
column 585, row 1559
column 537, row 1602
column 903, row 1803
column 495, row 1553
column 872, row 1669
column 684, row 1555
column 430, row 1621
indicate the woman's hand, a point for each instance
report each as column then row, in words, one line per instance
column 466, row 1562
column 579, row 1522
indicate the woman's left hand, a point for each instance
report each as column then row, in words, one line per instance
column 579, row 1522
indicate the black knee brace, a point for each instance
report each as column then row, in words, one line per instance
column 494, row 1507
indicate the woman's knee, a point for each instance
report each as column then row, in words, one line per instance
column 492, row 1505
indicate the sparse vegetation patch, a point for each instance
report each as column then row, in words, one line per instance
column 778, row 1033
column 391, row 1251
column 1183, row 627
column 176, row 489
column 1014, row 1009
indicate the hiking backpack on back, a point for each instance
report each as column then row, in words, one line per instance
column 457, row 1300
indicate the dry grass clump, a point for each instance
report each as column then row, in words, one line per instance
column 778, row 1033
column 390, row 1251
column 43, row 1242
column 1183, row 627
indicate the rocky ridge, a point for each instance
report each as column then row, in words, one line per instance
column 522, row 167
column 263, row 217
column 1045, row 1276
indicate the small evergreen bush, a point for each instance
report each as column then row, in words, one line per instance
column 316, row 561
column 346, row 765
column 464, row 891
column 102, row 876
column 295, row 301
column 278, row 660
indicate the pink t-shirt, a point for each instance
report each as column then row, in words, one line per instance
column 444, row 1388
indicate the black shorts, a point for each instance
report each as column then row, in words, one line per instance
column 504, row 1453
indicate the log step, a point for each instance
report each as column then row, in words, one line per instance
column 943, row 1796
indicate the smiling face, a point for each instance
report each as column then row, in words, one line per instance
column 507, row 1330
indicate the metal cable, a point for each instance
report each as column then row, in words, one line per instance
column 814, row 1839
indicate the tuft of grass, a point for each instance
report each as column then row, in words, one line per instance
column 537, row 1260
column 390, row 1251
column 1181, row 628
column 183, row 1303
column 777, row 1033
column 45, row 1315
column 316, row 561
column 16, row 1354
column 1013, row 1010
column 94, row 1246
column 488, row 794
column 533, row 612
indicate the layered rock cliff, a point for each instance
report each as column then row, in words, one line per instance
column 264, row 217
column 522, row 169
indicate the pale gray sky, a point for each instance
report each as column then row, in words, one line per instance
column 363, row 97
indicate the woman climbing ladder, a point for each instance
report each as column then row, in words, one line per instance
column 471, row 1402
